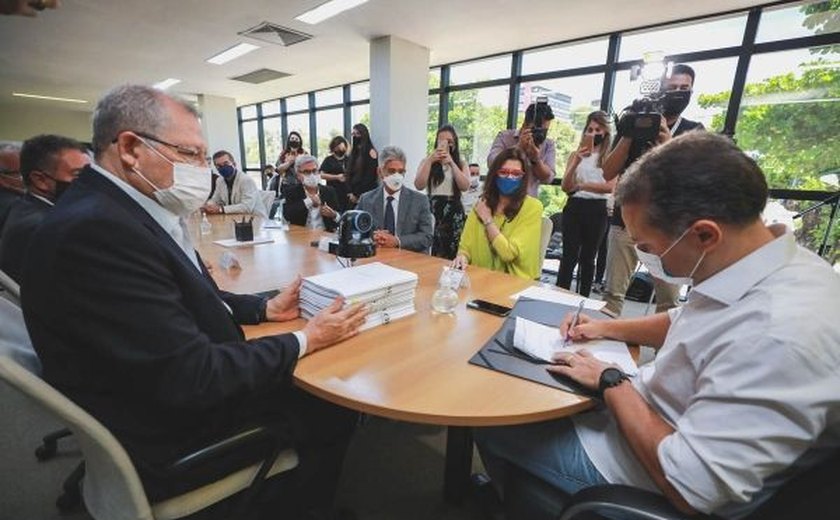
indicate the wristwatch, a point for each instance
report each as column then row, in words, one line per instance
column 610, row 378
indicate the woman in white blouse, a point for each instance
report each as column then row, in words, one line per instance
column 585, row 214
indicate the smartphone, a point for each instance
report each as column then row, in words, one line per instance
column 492, row 308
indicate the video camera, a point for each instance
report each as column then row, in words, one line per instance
column 642, row 119
column 355, row 235
column 540, row 112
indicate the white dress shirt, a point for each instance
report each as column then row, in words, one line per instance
column 314, row 220
column 747, row 376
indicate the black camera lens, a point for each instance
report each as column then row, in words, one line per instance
column 364, row 222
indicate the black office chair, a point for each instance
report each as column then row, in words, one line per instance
column 808, row 495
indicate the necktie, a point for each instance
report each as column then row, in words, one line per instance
column 390, row 226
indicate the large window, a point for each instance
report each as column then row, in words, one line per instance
column 802, row 19
column 778, row 96
column 478, row 115
column 330, row 123
column 682, row 38
column 565, row 56
column 300, row 123
column 482, row 70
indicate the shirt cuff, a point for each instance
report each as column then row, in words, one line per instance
column 301, row 337
column 308, row 203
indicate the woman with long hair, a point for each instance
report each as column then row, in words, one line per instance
column 585, row 214
column 444, row 176
column 362, row 168
column 293, row 148
column 502, row 232
column 334, row 170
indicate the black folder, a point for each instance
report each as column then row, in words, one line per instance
column 499, row 354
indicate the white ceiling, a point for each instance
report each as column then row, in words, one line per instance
column 87, row 46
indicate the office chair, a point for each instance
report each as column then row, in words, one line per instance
column 545, row 236
column 9, row 288
column 268, row 197
column 110, row 486
column 808, row 495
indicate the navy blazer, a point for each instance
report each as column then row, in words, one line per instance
column 414, row 216
column 126, row 326
column 24, row 218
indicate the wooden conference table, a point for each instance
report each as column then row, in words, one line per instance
column 413, row 369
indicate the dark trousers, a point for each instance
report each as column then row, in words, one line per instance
column 319, row 432
column 601, row 259
column 584, row 224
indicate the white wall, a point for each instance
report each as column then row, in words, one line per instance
column 221, row 129
column 20, row 121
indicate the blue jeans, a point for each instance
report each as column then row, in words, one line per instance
column 549, row 450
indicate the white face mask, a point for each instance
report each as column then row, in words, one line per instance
column 394, row 181
column 190, row 187
column 657, row 270
column 474, row 181
column 312, row 180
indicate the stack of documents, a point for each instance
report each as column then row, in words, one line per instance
column 387, row 291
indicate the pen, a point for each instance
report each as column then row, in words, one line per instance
column 574, row 323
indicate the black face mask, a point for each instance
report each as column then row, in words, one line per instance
column 294, row 145
column 675, row 102
column 597, row 139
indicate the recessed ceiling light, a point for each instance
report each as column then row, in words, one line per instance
column 48, row 98
column 232, row 53
column 328, row 10
column 165, row 84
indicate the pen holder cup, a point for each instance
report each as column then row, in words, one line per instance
column 244, row 231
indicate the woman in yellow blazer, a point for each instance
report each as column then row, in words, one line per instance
column 502, row 231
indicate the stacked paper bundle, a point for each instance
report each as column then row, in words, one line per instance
column 387, row 291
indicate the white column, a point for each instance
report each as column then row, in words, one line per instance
column 221, row 129
column 399, row 98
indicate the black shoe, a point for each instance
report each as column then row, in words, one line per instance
column 487, row 497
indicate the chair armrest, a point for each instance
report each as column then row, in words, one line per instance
column 629, row 501
column 254, row 436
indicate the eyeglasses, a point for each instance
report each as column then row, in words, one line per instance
column 193, row 156
column 308, row 172
column 10, row 173
column 504, row 172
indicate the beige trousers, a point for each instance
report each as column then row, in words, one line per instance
column 621, row 264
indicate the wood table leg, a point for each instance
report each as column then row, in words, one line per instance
column 459, row 451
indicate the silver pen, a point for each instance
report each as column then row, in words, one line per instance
column 574, row 323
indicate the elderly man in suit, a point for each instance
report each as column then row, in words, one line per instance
column 309, row 203
column 402, row 216
column 48, row 164
column 129, row 324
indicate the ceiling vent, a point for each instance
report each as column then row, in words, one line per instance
column 276, row 34
column 261, row 76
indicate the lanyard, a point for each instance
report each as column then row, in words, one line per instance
column 676, row 125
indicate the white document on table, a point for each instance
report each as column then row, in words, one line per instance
column 543, row 342
column 551, row 295
column 232, row 242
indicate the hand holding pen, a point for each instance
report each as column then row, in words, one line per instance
column 567, row 334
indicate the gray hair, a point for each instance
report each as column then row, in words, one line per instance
column 304, row 159
column 391, row 153
column 698, row 175
column 131, row 107
column 10, row 146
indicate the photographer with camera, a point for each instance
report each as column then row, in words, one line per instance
column 649, row 122
column 531, row 140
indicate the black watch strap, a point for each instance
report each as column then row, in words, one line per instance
column 611, row 377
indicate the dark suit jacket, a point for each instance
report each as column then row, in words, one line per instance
column 295, row 208
column 128, row 328
column 24, row 218
column 7, row 200
column 414, row 217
